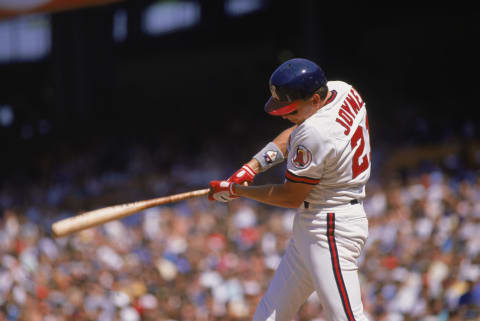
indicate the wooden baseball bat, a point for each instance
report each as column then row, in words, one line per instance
column 106, row 214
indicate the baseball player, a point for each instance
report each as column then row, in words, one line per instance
column 328, row 164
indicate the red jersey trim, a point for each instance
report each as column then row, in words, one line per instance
column 301, row 179
column 332, row 97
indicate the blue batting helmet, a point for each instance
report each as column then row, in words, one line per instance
column 295, row 79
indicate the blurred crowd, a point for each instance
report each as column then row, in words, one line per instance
column 197, row 260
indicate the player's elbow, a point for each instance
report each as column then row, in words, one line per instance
column 293, row 203
column 296, row 193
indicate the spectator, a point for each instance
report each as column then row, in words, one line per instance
column 202, row 261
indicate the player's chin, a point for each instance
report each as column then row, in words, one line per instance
column 295, row 121
column 291, row 119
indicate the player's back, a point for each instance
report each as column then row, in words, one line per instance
column 337, row 136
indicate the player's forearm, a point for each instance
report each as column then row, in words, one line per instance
column 274, row 194
column 273, row 153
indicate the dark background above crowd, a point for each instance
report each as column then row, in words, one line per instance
column 202, row 88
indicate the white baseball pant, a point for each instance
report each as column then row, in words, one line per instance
column 321, row 256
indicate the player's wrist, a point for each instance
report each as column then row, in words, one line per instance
column 269, row 156
column 251, row 172
column 254, row 166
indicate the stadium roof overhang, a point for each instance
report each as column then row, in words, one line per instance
column 11, row 8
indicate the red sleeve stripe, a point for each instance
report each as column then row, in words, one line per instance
column 301, row 179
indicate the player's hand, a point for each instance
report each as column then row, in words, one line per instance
column 244, row 174
column 221, row 191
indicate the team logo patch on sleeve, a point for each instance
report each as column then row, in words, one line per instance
column 303, row 157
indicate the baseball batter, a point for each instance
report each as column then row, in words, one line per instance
column 328, row 165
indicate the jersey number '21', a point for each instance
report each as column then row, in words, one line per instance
column 359, row 165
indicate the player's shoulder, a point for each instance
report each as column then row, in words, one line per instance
column 342, row 90
column 303, row 131
column 344, row 102
column 313, row 131
column 339, row 86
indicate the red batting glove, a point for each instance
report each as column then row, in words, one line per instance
column 244, row 174
column 221, row 191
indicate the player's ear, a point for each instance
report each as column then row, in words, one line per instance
column 316, row 100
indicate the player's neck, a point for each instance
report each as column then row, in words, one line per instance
column 324, row 102
column 320, row 106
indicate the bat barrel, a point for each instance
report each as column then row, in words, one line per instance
column 93, row 218
column 103, row 215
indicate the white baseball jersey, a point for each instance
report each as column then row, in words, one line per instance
column 331, row 149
